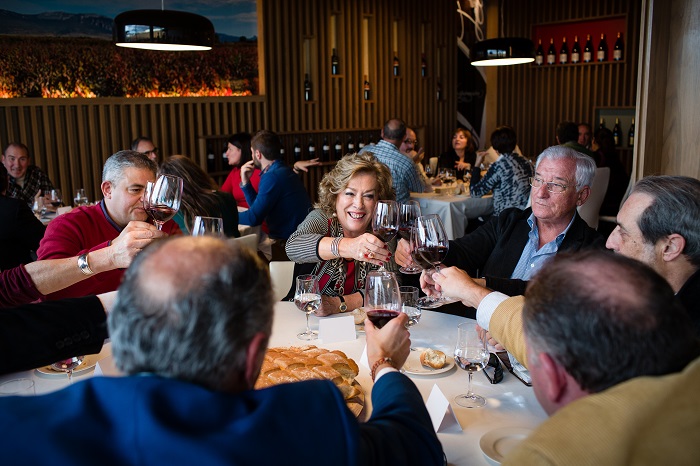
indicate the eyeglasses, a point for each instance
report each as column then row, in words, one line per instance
column 411, row 141
column 552, row 187
column 154, row 151
column 493, row 370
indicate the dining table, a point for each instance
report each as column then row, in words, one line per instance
column 455, row 210
column 509, row 404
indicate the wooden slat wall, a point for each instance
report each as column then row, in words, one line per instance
column 534, row 99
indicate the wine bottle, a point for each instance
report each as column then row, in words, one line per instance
column 335, row 63
column 350, row 146
column 588, row 50
column 617, row 132
column 438, row 91
column 326, row 154
column 539, row 54
column 551, row 53
column 619, row 48
column 602, row 123
column 396, row 65
column 575, row 51
column 307, row 88
column 602, row 49
column 282, row 152
column 211, row 162
column 423, row 66
column 338, row 149
column 311, row 148
column 366, row 88
column 297, row 150
column 360, row 143
column 564, row 52
column 630, row 135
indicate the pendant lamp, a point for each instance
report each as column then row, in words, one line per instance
column 503, row 51
column 168, row 30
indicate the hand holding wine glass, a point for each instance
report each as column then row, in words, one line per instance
column 385, row 222
column 382, row 297
column 432, row 245
column 161, row 199
column 472, row 356
column 307, row 299
column 408, row 213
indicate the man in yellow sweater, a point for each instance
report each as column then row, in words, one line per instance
column 605, row 342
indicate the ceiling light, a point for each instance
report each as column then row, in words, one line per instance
column 168, row 30
column 503, row 51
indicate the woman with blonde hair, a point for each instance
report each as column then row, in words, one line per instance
column 335, row 242
column 200, row 196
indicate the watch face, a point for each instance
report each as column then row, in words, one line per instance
column 343, row 307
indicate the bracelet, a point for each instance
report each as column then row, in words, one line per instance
column 379, row 362
column 334, row 246
column 84, row 265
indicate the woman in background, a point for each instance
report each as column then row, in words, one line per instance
column 462, row 156
column 238, row 153
column 200, row 196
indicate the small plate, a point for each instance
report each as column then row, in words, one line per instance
column 413, row 365
column 88, row 363
column 497, row 443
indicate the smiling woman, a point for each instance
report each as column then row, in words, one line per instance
column 334, row 242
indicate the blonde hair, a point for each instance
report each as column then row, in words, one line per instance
column 337, row 179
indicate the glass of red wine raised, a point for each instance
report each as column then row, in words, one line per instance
column 385, row 223
column 382, row 297
column 161, row 199
column 408, row 213
column 432, row 244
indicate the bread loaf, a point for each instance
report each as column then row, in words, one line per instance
column 433, row 358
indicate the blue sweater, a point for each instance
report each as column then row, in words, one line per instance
column 281, row 201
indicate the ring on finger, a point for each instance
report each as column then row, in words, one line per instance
column 370, row 255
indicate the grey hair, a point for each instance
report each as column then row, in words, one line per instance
column 199, row 328
column 585, row 165
column 114, row 167
column 675, row 209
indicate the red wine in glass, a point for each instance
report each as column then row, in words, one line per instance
column 434, row 255
column 161, row 213
column 418, row 259
column 385, row 234
column 380, row 317
column 405, row 233
column 385, row 221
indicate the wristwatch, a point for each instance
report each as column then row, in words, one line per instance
column 84, row 265
column 343, row 305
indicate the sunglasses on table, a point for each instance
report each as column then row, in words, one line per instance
column 494, row 369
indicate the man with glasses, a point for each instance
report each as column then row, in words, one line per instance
column 409, row 148
column 507, row 250
column 144, row 145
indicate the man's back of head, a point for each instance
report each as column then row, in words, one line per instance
column 268, row 143
column 394, row 131
column 606, row 319
column 188, row 309
column 567, row 131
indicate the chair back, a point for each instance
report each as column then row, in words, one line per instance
column 591, row 209
column 247, row 241
column 281, row 275
column 432, row 162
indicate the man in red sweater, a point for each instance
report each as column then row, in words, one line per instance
column 116, row 226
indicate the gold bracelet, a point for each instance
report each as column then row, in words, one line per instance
column 379, row 362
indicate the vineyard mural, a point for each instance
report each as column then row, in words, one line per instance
column 70, row 54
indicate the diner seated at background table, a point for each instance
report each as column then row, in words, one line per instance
column 26, row 180
column 508, row 249
column 20, row 230
column 615, row 396
column 117, row 224
column 606, row 155
column 567, row 135
column 190, row 329
column 409, row 147
column 508, row 178
column 200, row 196
column 238, row 154
column 145, row 146
column 461, row 156
column 335, row 241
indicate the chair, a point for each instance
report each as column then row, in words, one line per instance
column 432, row 163
column 281, row 275
column 591, row 209
column 247, row 241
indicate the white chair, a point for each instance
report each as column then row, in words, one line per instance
column 432, row 163
column 591, row 209
column 281, row 275
column 247, row 241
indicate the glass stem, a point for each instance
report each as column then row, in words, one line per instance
column 469, row 386
column 159, row 225
column 308, row 329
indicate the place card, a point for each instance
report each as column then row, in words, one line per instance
column 337, row 329
column 441, row 412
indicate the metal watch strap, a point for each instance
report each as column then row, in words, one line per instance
column 84, row 265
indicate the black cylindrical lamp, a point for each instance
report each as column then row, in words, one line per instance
column 503, row 51
column 168, row 30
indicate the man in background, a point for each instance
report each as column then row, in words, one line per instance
column 404, row 175
column 409, row 148
column 281, row 200
column 567, row 135
column 585, row 135
column 190, row 330
column 144, row 145
column 118, row 222
column 25, row 179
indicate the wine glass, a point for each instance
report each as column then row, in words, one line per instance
column 308, row 299
column 80, row 198
column 67, row 366
column 161, row 199
column 408, row 213
column 54, row 197
column 432, row 245
column 208, row 226
column 472, row 356
column 382, row 297
column 409, row 305
column 39, row 208
column 450, row 175
column 385, row 222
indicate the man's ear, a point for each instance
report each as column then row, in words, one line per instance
column 254, row 358
column 673, row 246
column 554, row 380
column 583, row 195
column 106, row 188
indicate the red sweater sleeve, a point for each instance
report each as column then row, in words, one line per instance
column 17, row 287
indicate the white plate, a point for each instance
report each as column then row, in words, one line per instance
column 88, row 363
column 496, row 444
column 413, row 365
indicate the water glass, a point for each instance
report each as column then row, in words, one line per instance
column 208, row 226
column 18, row 387
column 409, row 306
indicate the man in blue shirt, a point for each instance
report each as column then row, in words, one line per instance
column 281, row 200
column 403, row 172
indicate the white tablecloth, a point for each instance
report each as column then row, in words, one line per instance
column 509, row 403
column 455, row 211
